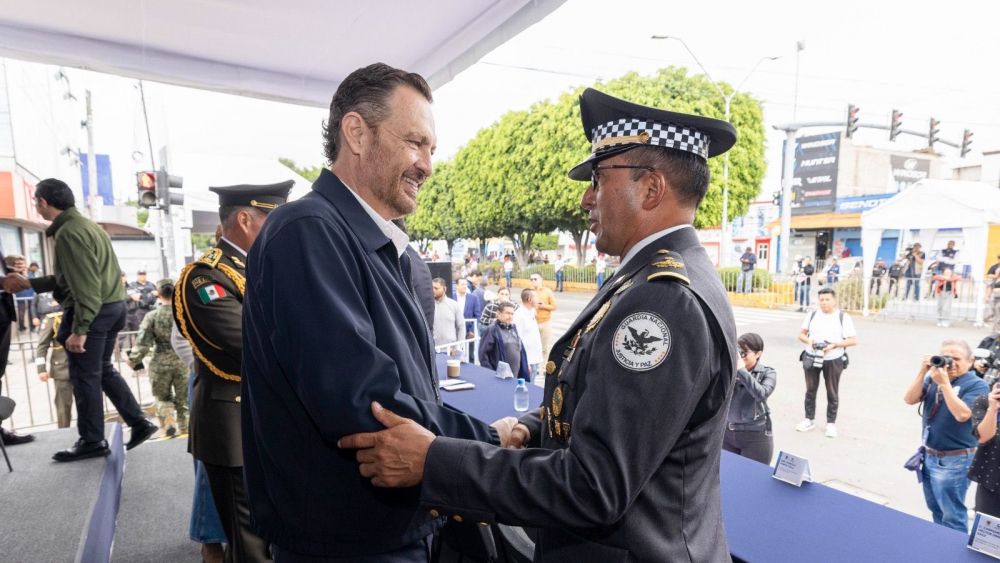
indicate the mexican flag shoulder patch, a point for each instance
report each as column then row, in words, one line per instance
column 211, row 292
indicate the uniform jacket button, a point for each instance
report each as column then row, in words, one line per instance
column 435, row 513
column 457, row 518
column 237, row 398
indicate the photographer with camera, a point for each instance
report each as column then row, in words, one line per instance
column 748, row 423
column 914, row 269
column 826, row 334
column 946, row 387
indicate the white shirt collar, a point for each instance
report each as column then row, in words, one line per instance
column 236, row 246
column 647, row 241
column 399, row 239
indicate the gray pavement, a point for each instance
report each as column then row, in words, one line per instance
column 878, row 432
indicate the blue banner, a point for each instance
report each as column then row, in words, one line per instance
column 861, row 203
column 105, row 187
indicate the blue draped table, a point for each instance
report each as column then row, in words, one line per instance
column 492, row 399
column 766, row 519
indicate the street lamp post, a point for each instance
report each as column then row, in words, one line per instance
column 724, row 250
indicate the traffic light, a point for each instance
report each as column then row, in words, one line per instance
column 146, row 184
column 169, row 189
column 966, row 141
column 896, row 126
column 776, row 198
column 852, row 119
column 932, row 132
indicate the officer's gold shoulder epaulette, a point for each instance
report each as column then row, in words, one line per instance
column 210, row 258
column 668, row 265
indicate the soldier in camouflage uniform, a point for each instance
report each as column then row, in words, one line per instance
column 55, row 367
column 167, row 372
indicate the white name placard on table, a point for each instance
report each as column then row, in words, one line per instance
column 985, row 535
column 791, row 469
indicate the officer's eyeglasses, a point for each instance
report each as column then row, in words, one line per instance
column 595, row 176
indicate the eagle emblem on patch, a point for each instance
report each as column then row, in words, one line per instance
column 641, row 342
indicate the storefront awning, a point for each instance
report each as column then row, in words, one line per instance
column 821, row 221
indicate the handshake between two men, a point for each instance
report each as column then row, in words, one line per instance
column 12, row 283
column 395, row 457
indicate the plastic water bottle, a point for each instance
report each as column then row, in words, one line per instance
column 521, row 395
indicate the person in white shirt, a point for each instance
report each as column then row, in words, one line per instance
column 560, row 274
column 600, row 266
column 508, row 269
column 826, row 335
column 527, row 327
column 449, row 325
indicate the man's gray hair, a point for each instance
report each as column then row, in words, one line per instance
column 961, row 344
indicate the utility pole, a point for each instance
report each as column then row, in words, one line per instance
column 724, row 242
column 168, row 251
column 91, row 156
column 786, row 200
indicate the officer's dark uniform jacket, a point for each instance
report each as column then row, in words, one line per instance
column 624, row 463
column 210, row 319
column 330, row 326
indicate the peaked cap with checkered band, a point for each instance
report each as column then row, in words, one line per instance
column 265, row 197
column 614, row 126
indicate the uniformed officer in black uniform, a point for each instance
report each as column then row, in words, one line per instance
column 623, row 455
column 208, row 310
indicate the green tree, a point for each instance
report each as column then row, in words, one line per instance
column 510, row 179
column 141, row 213
column 202, row 242
column 309, row 172
column 435, row 218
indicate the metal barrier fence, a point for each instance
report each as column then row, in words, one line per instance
column 572, row 275
column 35, row 408
column 887, row 297
column 465, row 347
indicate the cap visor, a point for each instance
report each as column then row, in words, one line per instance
column 581, row 172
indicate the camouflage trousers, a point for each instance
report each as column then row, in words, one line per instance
column 170, row 387
column 63, row 402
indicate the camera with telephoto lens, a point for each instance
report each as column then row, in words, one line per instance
column 817, row 357
column 987, row 356
column 941, row 362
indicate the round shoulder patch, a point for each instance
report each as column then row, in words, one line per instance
column 641, row 342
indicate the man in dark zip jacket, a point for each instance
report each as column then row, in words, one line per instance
column 331, row 323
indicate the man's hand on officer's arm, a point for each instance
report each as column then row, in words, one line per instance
column 395, row 457
column 12, row 283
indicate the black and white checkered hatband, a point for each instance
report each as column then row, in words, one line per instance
column 636, row 131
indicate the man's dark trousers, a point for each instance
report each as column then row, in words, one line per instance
column 230, row 498
column 831, row 376
column 92, row 372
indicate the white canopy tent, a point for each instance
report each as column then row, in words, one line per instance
column 931, row 205
column 294, row 51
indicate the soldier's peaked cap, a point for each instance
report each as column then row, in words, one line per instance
column 613, row 126
column 265, row 197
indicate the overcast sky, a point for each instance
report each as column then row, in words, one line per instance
column 924, row 58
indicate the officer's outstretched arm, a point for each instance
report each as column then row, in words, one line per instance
column 623, row 430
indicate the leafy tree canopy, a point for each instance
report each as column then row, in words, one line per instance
column 510, row 179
